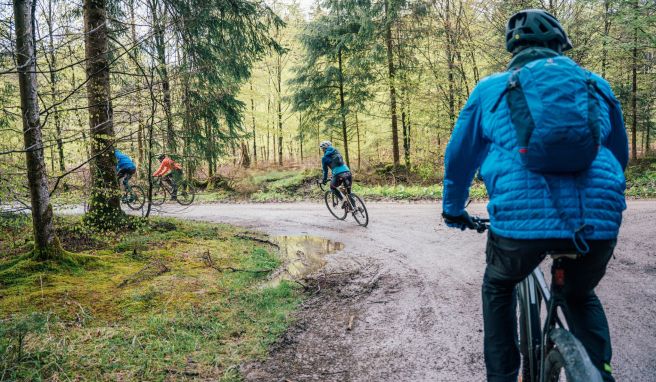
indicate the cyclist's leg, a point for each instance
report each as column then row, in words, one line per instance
column 176, row 178
column 585, row 314
column 126, row 179
column 348, row 182
column 508, row 262
column 120, row 176
column 335, row 182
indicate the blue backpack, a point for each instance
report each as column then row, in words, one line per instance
column 555, row 112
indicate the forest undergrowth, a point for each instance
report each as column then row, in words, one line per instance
column 161, row 300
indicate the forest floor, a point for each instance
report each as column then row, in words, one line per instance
column 163, row 300
column 401, row 301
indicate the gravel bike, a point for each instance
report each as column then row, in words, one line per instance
column 548, row 349
column 339, row 207
column 161, row 189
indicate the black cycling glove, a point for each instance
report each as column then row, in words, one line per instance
column 461, row 221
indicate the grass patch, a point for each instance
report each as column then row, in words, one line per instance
column 148, row 308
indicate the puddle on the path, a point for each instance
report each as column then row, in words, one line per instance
column 302, row 255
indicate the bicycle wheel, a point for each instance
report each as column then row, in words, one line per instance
column 359, row 212
column 159, row 195
column 186, row 193
column 529, row 329
column 136, row 198
column 334, row 205
column 568, row 356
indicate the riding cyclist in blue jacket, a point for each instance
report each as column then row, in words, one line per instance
column 125, row 168
column 341, row 174
column 549, row 140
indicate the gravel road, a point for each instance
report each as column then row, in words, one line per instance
column 411, row 289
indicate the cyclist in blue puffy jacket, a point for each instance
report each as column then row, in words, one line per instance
column 531, row 212
column 125, row 168
column 341, row 174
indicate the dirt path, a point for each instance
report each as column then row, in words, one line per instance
column 412, row 287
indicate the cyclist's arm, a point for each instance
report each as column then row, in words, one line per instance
column 464, row 154
column 324, row 167
column 617, row 141
column 161, row 170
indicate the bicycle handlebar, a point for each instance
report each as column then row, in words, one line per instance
column 481, row 224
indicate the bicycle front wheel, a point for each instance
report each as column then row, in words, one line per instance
column 334, row 205
column 136, row 198
column 186, row 193
column 360, row 213
column 159, row 195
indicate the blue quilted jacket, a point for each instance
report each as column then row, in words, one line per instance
column 521, row 206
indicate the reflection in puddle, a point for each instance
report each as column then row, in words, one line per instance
column 302, row 255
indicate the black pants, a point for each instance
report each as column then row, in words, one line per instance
column 126, row 174
column 343, row 178
column 509, row 262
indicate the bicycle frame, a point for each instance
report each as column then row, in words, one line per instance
column 342, row 192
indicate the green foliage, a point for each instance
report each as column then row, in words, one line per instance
column 641, row 179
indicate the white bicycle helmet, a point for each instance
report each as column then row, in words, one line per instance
column 325, row 144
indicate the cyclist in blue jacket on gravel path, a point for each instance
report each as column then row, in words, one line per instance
column 530, row 212
column 125, row 168
column 333, row 160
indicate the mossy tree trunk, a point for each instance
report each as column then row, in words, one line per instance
column 105, row 210
column 46, row 244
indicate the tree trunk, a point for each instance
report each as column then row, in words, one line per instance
column 253, row 117
column 634, row 87
column 46, row 244
column 140, row 126
column 52, row 64
column 450, row 65
column 357, row 132
column 392, row 90
column 279, row 74
column 105, row 210
column 160, row 46
column 604, row 50
column 208, row 148
column 301, row 135
column 342, row 106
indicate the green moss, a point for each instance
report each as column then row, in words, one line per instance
column 188, row 318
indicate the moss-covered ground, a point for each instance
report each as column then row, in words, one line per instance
column 155, row 302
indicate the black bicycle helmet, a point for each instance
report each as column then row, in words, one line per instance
column 535, row 27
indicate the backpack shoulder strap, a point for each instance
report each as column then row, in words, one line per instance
column 513, row 82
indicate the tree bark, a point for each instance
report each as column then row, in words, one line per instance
column 342, row 106
column 634, row 87
column 52, row 63
column 357, row 132
column 46, row 244
column 160, row 47
column 604, row 50
column 104, row 208
column 279, row 78
column 253, row 117
column 392, row 89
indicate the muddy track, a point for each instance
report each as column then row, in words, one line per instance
column 410, row 288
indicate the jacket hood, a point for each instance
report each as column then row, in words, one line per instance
column 330, row 150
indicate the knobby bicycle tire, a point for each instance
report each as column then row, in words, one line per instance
column 569, row 355
column 159, row 195
column 360, row 213
column 139, row 198
column 336, row 210
column 186, row 193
